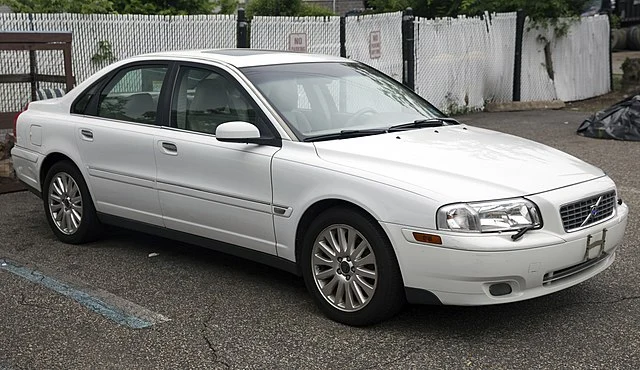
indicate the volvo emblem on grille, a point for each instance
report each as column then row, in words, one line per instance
column 593, row 212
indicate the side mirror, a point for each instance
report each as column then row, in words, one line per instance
column 245, row 133
column 237, row 132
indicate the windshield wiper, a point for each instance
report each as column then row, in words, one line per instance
column 346, row 134
column 422, row 123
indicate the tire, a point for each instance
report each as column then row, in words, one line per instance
column 68, row 205
column 363, row 299
column 615, row 40
column 622, row 39
column 633, row 38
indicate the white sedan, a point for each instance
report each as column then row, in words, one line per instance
column 321, row 166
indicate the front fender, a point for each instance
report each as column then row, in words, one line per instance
column 299, row 184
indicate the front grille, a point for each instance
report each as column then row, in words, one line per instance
column 588, row 211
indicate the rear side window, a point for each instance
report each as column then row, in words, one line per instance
column 132, row 95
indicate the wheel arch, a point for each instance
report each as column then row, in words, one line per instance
column 322, row 205
column 49, row 161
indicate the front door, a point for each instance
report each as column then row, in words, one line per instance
column 216, row 190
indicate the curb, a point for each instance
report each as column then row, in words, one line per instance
column 518, row 106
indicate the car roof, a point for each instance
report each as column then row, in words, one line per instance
column 249, row 57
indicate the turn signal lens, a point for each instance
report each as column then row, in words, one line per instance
column 427, row 238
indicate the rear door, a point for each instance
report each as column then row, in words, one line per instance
column 115, row 134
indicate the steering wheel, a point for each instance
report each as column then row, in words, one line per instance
column 359, row 115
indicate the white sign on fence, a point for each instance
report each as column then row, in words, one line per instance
column 298, row 42
column 375, row 45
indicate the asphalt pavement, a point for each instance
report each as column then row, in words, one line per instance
column 224, row 312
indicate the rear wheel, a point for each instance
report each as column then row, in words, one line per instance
column 68, row 205
column 350, row 269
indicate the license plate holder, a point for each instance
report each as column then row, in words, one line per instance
column 595, row 249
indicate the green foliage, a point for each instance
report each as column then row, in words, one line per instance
column 169, row 7
column 615, row 21
column 309, row 10
column 436, row 8
column 274, row 7
column 164, row 7
column 382, row 6
column 226, row 6
column 537, row 10
column 104, row 55
column 285, row 7
column 59, row 6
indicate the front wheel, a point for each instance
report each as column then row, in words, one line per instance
column 350, row 268
column 68, row 205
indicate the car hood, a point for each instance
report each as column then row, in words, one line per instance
column 460, row 163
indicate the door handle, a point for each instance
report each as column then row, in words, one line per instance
column 87, row 134
column 169, row 148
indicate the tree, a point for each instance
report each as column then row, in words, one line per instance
column 59, row 6
column 539, row 9
column 285, row 7
column 169, row 7
column 226, row 6
column 273, row 7
column 166, row 7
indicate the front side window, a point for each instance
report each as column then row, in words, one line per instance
column 203, row 99
column 132, row 95
column 324, row 98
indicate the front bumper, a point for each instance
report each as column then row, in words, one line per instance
column 462, row 270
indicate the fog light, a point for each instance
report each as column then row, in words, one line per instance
column 500, row 289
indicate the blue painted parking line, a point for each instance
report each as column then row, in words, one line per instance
column 108, row 305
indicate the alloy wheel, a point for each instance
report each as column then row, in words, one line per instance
column 344, row 267
column 65, row 203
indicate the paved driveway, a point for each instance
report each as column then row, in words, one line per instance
column 226, row 312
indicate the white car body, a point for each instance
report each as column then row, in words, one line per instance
column 253, row 198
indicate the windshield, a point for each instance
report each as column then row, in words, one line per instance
column 325, row 98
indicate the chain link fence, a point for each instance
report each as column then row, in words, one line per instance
column 464, row 62
column 320, row 35
column 568, row 66
column 460, row 63
column 99, row 39
column 376, row 40
column 14, row 96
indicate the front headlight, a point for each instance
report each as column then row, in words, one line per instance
column 499, row 215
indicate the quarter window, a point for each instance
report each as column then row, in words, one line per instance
column 132, row 95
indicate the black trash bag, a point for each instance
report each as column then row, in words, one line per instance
column 621, row 121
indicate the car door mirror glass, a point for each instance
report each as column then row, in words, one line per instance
column 238, row 132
